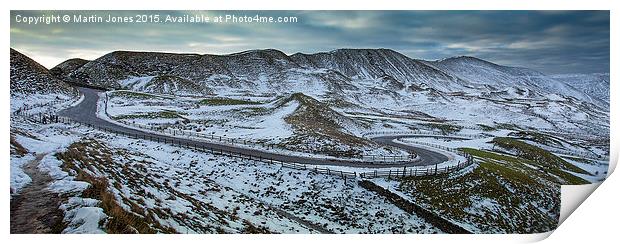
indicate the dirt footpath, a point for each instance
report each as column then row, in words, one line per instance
column 35, row 209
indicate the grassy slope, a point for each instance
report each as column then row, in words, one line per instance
column 136, row 95
column 165, row 114
column 516, row 197
column 225, row 101
column 316, row 123
column 545, row 159
column 84, row 157
column 538, row 137
column 444, row 128
column 123, row 185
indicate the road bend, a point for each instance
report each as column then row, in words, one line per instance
column 86, row 112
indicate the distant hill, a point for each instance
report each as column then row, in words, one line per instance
column 467, row 90
column 595, row 85
column 62, row 70
column 271, row 70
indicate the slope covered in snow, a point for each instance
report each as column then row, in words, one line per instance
column 31, row 83
column 28, row 76
column 62, row 70
column 523, row 128
column 514, row 82
column 319, row 74
column 595, row 85
column 377, row 81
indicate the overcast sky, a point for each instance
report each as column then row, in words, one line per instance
column 549, row 41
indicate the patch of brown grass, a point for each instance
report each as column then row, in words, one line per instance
column 120, row 221
column 16, row 148
column 253, row 229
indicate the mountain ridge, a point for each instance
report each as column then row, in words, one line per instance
column 460, row 89
column 273, row 70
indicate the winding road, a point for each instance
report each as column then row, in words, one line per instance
column 86, row 112
column 425, row 154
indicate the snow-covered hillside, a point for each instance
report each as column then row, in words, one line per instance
column 514, row 82
column 293, row 123
column 63, row 69
column 595, row 85
column 526, row 133
column 376, row 81
column 273, row 71
column 31, row 83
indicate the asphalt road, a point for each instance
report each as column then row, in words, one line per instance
column 427, row 157
column 86, row 112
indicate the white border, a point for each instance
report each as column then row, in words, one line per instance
column 590, row 223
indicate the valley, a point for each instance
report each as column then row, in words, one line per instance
column 484, row 146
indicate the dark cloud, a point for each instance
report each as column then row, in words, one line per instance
column 548, row 41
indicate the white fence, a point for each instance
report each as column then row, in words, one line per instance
column 421, row 133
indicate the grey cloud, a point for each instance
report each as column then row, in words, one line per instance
column 549, row 41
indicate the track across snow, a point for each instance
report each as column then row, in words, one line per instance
column 36, row 209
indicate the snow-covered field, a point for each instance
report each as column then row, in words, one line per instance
column 593, row 166
column 258, row 120
column 188, row 191
column 18, row 177
column 42, row 103
column 194, row 192
column 224, row 120
column 81, row 214
column 527, row 132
